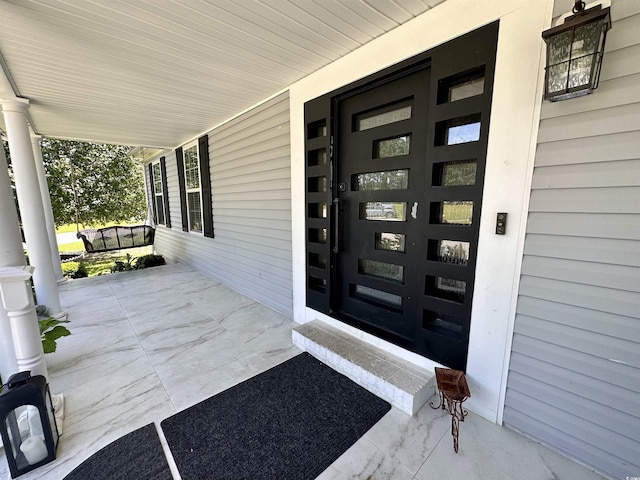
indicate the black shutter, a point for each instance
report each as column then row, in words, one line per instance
column 153, row 194
column 183, row 190
column 205, row 186
column 165, row 192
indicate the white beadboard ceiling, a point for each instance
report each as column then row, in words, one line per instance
column 160, row 72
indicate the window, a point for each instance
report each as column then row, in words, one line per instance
column 158, row 193
column 193, row 188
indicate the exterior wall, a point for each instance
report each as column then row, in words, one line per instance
column 574, row 379
column 511, row 148
column 251, row 188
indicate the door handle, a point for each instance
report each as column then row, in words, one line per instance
column 336, row 225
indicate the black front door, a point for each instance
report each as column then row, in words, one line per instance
column 381, row 160
column 394, row 182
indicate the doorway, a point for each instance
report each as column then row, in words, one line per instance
column 395, row 169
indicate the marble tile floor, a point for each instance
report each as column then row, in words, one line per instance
column 149, row 343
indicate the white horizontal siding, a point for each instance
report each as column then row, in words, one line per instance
column 251, row 190
column 574, row 376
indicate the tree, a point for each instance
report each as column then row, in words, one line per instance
column 92, row 183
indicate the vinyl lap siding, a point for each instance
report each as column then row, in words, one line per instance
column 251, row 189
column 574, row 379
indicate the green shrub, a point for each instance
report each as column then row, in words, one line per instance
column 74, row 270
column 122, row 265
column 150, row 260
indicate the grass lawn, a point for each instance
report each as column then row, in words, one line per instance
column 101, row 263
column 71, row 227
column 71, row 247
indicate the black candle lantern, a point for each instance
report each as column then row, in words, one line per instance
column 27, row 423
column 574, row 53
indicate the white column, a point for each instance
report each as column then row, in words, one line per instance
column 17, row 300
column 48, row 210
column 30, row 201
column 11, row 254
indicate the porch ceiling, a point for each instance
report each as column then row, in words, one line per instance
column 160, row 72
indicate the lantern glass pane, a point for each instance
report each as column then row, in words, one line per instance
column 584, row 46
column 560, row 48
column 557, row 77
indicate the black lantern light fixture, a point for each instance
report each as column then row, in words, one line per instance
column 27, row 423
column 574, row 52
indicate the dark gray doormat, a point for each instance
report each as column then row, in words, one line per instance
column 136, row 456
column 288, row 423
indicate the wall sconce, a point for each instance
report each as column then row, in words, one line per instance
column 574, row 52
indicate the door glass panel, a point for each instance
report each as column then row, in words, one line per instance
column 317, row 284
column 448, row 251
column 442, row 324
column 453, row 174
column 389, row 211
column 376, row 296
column 466, row 88
column 445, row 288
column 317, row 129
column 317, row 210
column 318, row 184
column 317, row 157
column 318, row 235
column 382, row 116
column 452, row 213
column 393, row 242
column 458, row 130
column 388, row 271
column 392, row 147
column 387, row 180
column 317, row 260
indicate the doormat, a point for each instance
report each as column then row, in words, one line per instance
column 288, row 423
column 135, row 456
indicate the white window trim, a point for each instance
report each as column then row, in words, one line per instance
column 193, row 190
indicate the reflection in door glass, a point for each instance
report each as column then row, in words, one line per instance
column 392, row 147
column 393, row 242
column 387, row 211
column 376, row 296
column 452, row 213
column 442, row 324
column 448, row 251
column 446, row 288
column 378, row 118
column 465, row 89
column 387, row 271
column 318, row 235
column 388, row 180
column 458, row 130
column 453, row 174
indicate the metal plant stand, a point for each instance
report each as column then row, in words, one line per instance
column 453, row 388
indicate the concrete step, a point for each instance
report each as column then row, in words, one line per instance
column 404, row 385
